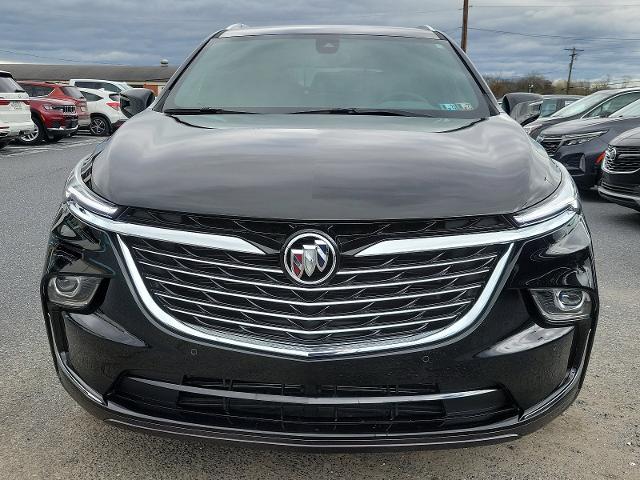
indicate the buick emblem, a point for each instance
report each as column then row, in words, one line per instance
column 309, row 257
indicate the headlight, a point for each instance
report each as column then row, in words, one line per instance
column 564, row 198
column 47, row 106
column 76, row 190
column 578, row 139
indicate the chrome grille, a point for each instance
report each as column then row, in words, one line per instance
column 69, row 109
column 375, row 297
column 626, row 160
column 550, row 144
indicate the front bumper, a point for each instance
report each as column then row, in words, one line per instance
column 537, row 369
column 580, row 161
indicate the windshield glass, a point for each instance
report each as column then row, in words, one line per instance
column 631, row 110
column 581, row 106
column 293, row 73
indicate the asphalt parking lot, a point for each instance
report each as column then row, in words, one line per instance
column 44, row 434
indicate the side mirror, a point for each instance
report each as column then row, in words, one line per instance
column 135, row 100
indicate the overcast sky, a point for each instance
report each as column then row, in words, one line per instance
column 134, row 32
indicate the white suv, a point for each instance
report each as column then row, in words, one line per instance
column 15, row 113
column 104, row 110
column 96, row 84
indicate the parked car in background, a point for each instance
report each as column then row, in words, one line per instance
column 621, row 170
column 580, row 145
column 53, row 119
column 15, row 115
column 523, row 107
column 60, row 92
column 598, row 104
column 552, row 103
column 104, row 111
column 97, row 84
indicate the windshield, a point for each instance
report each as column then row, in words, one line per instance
column 581, row 106
column 631, row 110
column 293, row 73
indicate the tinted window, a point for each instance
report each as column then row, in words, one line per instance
column 613, row 105
column 90, row 97
column 9, row 85
column 93, row 85
column 109, row 87
column 287, row 73
column 72, row 92
column 631, row 110
column 44, row 91
column 583, row 105
column 549, row 106
column 28, row 89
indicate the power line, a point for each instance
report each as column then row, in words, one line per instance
column 565, row 37
column 56, row 58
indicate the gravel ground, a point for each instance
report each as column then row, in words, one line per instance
column 44, row 434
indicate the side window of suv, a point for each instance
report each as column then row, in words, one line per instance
column 39, row 91
column 613, row 105
column 28, row 89
column 90, row 97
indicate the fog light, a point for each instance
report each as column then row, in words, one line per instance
column 562, row 304
column 72, row 291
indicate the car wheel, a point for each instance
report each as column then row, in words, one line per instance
column 100, row 126
column 34, row 137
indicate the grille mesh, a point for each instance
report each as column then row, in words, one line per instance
column 627, row 160
column 376, row 297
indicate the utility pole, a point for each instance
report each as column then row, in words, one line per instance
column 574, row 54
column 465, row 22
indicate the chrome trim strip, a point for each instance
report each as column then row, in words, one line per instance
column 321, row 351
column 77, row 381
column 315, row 318
column 411, row 245
column 266, row 397
column 414, row 267
column 312, row 332
column 609, row 193
column 315, row 304
column 318, row 289
column 209, row 262
column 196, row 239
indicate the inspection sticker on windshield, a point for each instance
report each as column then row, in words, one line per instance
column 456, row 106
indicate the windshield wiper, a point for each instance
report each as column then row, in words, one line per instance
column 363, row 111
column 204, row 111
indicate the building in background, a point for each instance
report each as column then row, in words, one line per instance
column 153, row 78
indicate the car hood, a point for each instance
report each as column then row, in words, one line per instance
column 630, row 138
column 323, row 167
column 585, row 125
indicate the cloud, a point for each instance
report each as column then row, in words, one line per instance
column 141, row 33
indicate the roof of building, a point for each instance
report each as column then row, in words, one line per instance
column 62, row 73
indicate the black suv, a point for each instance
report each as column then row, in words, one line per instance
column 597, row 105
column 621, row 170
column 580, row 145
column 322, row 237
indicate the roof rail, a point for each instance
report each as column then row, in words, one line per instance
column 427, row 27
column 237, row 26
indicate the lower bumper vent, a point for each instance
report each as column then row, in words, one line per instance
column 314, row 409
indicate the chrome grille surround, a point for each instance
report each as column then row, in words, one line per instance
column 432, row 306
column 550, row 143
column 624, row 160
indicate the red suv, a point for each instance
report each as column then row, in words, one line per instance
column 53, row 118
column 60, row 92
